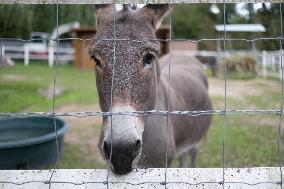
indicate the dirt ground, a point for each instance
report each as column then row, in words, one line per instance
column 240, row 89
column 83, row 132
column 11, row 77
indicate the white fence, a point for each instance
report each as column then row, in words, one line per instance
column 267, row 61
column 270, row 63
column 24, row 52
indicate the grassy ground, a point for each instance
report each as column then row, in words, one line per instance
column 249, row 140
column 21, row 87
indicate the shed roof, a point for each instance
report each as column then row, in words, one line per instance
column 241, row 28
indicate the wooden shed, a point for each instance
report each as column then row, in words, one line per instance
column 82, row 59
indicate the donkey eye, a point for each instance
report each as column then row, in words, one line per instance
column 97, row 61
column 148, row 60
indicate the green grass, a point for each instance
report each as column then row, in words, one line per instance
column 247, row 144
column 73, row 159
column 18, row 95
column 249, row 140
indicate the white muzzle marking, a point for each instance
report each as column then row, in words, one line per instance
column 123, row 128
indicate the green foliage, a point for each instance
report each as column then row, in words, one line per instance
column 187, row 23
column 190, row 21
column 270, row 18
column 196, row 21
column 18, row 21
column 186, row 20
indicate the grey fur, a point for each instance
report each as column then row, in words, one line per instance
column 146, row 88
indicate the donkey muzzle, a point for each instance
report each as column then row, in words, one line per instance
column 121, row 155
column 122, row 141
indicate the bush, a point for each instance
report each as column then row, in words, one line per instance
column 244, row 65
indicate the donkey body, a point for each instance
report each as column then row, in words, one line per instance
column 188, row 91
column 130, row 78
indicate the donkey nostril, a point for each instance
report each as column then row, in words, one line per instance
column 137, row 148
column 138, row 145
column 107, row 149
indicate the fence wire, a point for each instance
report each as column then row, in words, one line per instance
column 222, row 112
column 111, row 94
column 281, row 100
column 168, row 97
column 159, row 40
column 53, row 101
column 225, row 94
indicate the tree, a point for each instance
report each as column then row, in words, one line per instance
column 18, row 21
column 270, row 18
column 196, row 21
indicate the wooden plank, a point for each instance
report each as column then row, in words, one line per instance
column 252, row 178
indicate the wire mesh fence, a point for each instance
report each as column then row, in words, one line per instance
column 224, row 112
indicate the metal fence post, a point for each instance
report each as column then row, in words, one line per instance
column 280, row 69
column 27, row 53
column 2, row 55
column 273, row 63
column 263, row 64
column 50, row 56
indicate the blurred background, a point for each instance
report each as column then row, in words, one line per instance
column 28, row 52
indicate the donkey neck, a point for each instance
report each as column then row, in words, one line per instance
column 161, row 102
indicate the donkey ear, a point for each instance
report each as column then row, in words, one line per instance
column 99, row 7
column 155, row 12
column 102, row 11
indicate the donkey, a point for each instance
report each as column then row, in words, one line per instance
column 130, row 77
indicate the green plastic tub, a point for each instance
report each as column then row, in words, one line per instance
column 30, row 143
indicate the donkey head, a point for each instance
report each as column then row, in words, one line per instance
column 127, row 73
